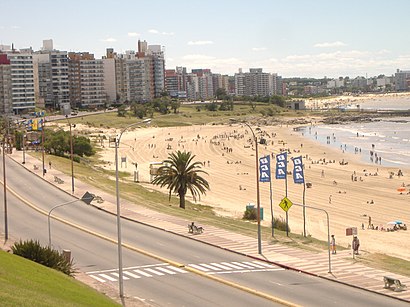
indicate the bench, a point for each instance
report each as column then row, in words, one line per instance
column 390, row 281
column 58, row 180
column 195, row 229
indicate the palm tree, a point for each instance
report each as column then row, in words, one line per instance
column 180, row 175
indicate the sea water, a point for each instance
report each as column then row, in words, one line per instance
column 385, row 141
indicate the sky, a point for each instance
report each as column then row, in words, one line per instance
column 291, row 38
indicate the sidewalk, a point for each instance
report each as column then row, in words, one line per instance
column 343, row 267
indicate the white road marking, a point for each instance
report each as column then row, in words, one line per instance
column 107, row 277
column 142, row 273
column 97, row 278
column 198, row 267
column 131, row 274
column 118, row 276
column 176, row 269
column 155, row 272
column 166, row 270
column 162, row 269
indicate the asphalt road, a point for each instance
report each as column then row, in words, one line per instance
column 154, row 280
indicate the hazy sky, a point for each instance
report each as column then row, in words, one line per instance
column 293, row 38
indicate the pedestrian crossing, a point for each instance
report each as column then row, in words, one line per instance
column 163, row 269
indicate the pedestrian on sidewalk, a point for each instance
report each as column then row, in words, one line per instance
column 49, row 164
column 333, row 244
column 355, row 245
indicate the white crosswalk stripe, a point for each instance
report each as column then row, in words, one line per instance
column 155, row 272
column 131, row 274
column 97, row 278
column 142, row 273
column 166, row 269
column 176, row 269
column 118, row 276
column 107, row 277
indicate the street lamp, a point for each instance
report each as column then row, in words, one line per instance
column 6, row 227
column 42, row 142
column 258, row 205
column 71, row 156
column 87, row 198
column 24, row 149
column 117, row 193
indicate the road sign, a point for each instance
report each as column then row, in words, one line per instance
column 285, row 204
column 351, row 231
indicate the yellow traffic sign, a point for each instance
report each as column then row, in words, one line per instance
column 285, row 204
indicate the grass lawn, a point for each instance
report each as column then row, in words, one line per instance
column 26, row 283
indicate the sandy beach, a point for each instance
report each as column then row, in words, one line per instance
column 350, row 193
column 356, row 100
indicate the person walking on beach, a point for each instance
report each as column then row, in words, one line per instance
column 330, row 199
column 370, row 222
column 333, row 244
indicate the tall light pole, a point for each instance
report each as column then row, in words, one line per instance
column 24, row 149
column 71, row 156
column 6, row 227
column 42, row 142
column 117, row 193
column 87, row 198
column 258, row 205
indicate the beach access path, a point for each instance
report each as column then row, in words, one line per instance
column 343, row 268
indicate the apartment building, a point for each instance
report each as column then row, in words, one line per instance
column 153, row 57
column 402, row 80
column 86, row 80
column 5, row 85
column 16, row 82
column 255, row 83
column 51, row 77
column 175, row 82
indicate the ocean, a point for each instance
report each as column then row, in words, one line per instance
column 385, row 141
column 382, row 142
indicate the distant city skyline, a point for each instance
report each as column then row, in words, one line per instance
column 296, row 39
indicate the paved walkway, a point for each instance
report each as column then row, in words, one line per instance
column 344, row 268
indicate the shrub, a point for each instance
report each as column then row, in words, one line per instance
column 43, row 255
column 280, row 224
column 250, row 214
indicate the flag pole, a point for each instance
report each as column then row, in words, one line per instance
column 271, row 205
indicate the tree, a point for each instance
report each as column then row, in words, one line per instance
column 180, row 175
column 82, row 146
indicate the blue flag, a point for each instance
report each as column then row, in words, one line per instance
column 281, row 165
column 264, row 169
column 298, row 176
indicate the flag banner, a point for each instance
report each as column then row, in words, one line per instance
column 40, row 124
column 29, row 125
column 264, row 169
column 281, row 165
column 298, row 176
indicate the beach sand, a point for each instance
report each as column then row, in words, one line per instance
column 228, row 155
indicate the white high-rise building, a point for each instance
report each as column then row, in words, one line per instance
column 22, row 82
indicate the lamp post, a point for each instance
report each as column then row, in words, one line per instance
column 258, row 205
column 117, row 193
column 42, row 142
column 87, row 198
column 71, row 155
column 6, row 227
column 24, row 149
